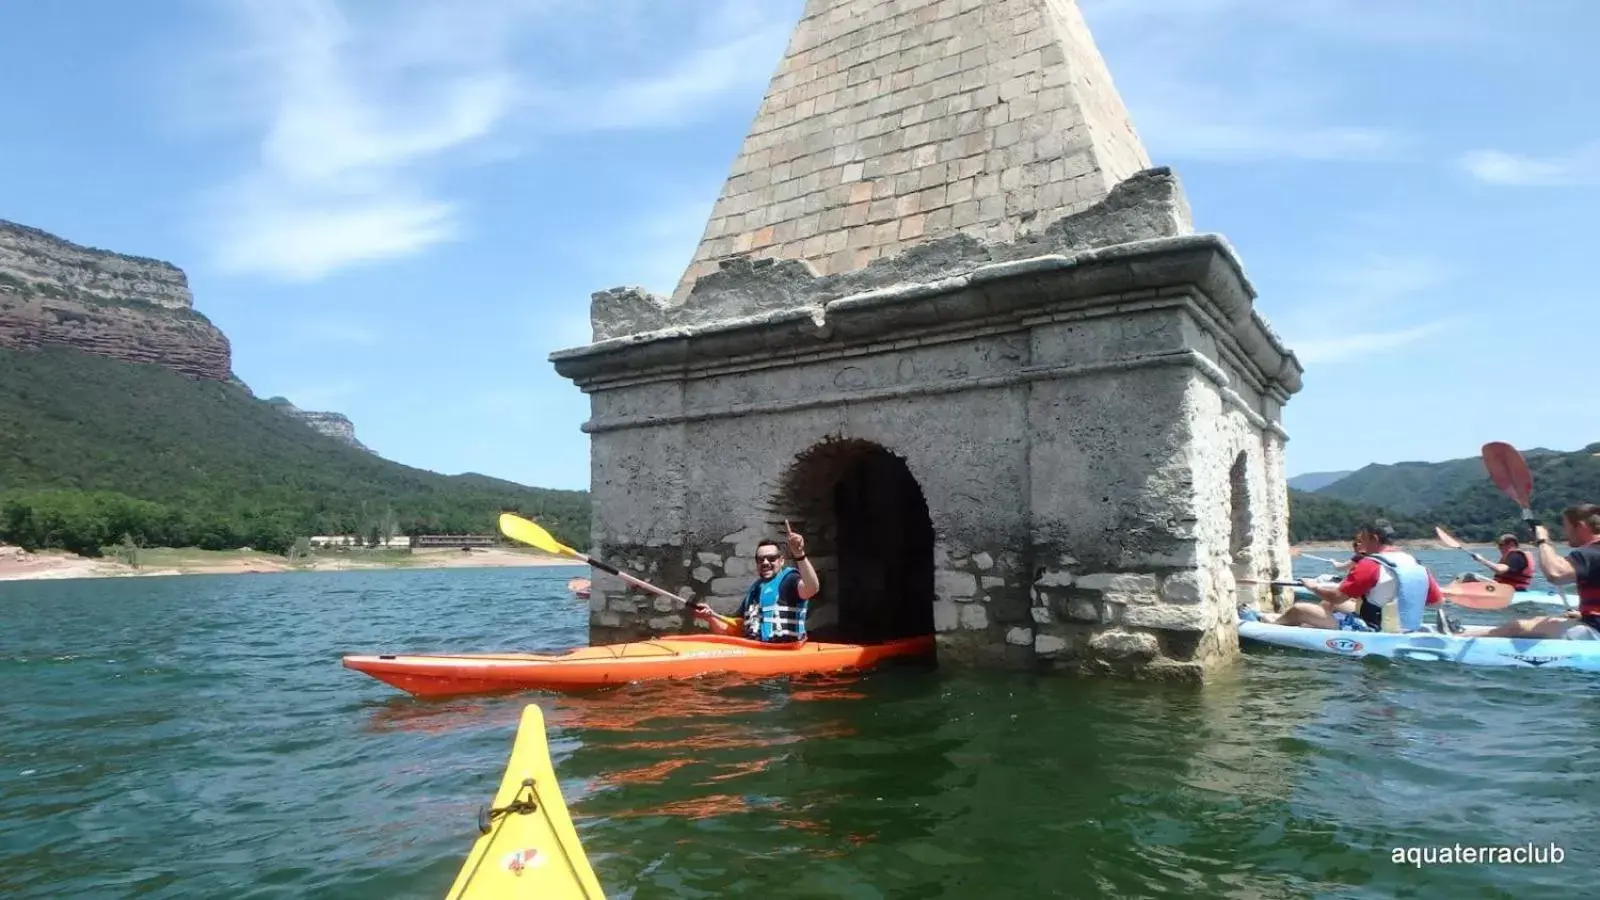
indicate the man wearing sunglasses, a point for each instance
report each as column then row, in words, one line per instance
column 774, row 609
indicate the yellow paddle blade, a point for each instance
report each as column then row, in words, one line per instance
column 520, row 529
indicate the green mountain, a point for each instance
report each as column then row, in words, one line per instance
column 92, row 448
column 1409, row 487
column 1412, row 487
column 1314, row 517
column 1456, row 494
column 1315, row 481
column 1559, row 480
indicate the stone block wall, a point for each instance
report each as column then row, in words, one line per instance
column 1079, row 431
column 722, row 487
column 1083, row 522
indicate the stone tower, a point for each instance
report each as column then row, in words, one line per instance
column 947, row 321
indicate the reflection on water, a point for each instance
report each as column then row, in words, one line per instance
column 402, row 713
column 698, row 738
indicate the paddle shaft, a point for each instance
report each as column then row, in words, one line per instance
column 519, row 529
column 636, row 582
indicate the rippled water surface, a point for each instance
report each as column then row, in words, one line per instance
column 197, row 737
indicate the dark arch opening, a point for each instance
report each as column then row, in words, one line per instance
column 1240, row 528
column 870, row 537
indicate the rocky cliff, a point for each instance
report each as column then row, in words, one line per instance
column 53, row 291
column 332, row 424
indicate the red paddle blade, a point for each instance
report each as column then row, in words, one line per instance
column 1509, row 472
column 1478, row 594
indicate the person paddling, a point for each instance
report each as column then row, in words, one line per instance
column 1515, row 567
column 774, row 608
column 1580, row 567
column 1380, row 573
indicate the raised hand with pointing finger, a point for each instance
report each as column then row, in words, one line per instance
column 797, row 543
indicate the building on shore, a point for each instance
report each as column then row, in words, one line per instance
column 454, row 541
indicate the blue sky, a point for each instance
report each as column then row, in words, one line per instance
column 397, row 210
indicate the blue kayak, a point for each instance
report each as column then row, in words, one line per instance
column 1467, row 648
column 1540, row 598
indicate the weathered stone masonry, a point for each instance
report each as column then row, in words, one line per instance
column 1054, row 443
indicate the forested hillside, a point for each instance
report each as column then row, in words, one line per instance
column 92, row 448
column 1406, row 487
column 1463, row 499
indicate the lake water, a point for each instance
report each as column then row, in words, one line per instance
column 197, row 737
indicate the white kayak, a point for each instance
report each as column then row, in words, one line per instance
column 1468, row 647
column 1541, row 598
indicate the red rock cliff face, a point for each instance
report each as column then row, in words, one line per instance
column 124, row 307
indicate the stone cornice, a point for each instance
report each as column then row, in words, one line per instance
column 1023, row 375
column 1017, row 289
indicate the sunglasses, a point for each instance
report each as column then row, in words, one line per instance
column 767, row 557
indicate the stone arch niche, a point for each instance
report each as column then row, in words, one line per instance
column 870, row 536
column 1241, row 525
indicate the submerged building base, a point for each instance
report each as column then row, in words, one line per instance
column 1063, row 451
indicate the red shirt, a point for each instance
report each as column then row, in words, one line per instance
column 1363, row 578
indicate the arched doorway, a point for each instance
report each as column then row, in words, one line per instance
column 870, row 535
column 1240, row 526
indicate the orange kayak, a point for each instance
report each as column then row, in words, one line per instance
column 676, row 656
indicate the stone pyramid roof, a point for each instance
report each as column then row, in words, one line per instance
column 895, row 122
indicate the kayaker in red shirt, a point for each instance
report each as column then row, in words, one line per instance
column 775, row 607
column 1379, row 573
column 1580, row 567
column 1515, row 567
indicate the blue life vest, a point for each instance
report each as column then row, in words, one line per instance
column 767, row 617
column 1411, row 589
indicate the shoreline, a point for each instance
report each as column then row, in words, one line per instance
column 1407, row 544
column 17, row 564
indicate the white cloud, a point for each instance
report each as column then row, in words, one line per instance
column 1379, row 281
column 1270, row 100
column 306, row 238
column 349, row 117
column 1188, row 132
column 558, row 330
column 1367, row 22
column 665, row 242
column 356, row 110
column 1346, row 347
column 1392, row 292
column 321, row 396
column 677, row 95
column 1579, row 167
